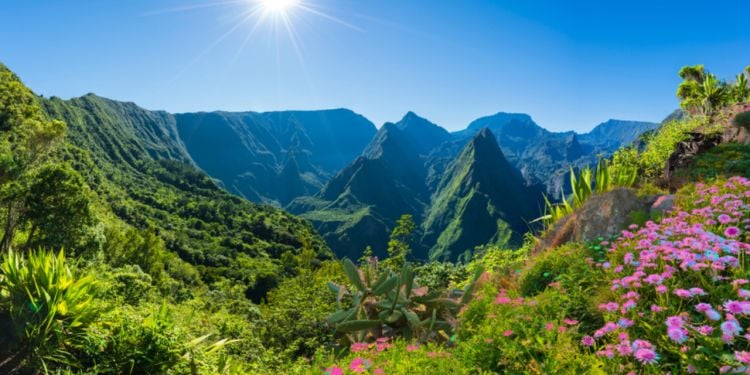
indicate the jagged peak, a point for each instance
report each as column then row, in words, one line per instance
column 412, row 119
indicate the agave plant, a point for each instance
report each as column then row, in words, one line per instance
column 48, row 306
column 393, row 304
column 605, row 179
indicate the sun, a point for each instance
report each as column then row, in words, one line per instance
column 279, row 6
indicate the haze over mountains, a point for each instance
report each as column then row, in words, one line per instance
column 481, row 185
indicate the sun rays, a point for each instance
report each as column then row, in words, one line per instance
column 261, row 20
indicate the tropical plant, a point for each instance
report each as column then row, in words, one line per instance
column 398, row 244
column 583, row 187
column 743, row 120
column 49, row 307
column 740, row 91
column 388, row 304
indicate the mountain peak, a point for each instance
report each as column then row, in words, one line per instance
column 485, row 133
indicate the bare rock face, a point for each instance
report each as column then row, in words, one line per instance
column 606, row 214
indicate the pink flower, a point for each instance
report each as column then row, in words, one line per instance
column 334, row 371
column 724, row 219
column 378, row 371
column 587, row 341
column 358, row 347
column 609, row 307
column 732, row 232
column 502, row 300
column 743, row 357
column 646, row 356
column 677, row 334
column 358, row 365
column 411, row 348
column 508, row 333
column 570, row 322
column 705, row 330
column 736, row 307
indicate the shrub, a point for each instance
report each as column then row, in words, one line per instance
column 49, row 307
column 398, row 357
column 390, row 304
column 743, row 120
column 725, row 160
column 660, row 145
column 681, row 296
column 512, row 334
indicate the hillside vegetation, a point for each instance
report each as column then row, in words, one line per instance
column 120, row 256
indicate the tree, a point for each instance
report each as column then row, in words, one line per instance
column 701, row 92
column 56, row 207
column 741, row 89
column 26, row 139
column 399, row 243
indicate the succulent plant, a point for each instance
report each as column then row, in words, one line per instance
column 387, row 303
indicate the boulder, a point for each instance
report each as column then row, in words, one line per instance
column 558, row 234
column 603, row 215
column 662, row 205
column 606, row 214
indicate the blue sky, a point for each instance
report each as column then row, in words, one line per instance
column 570, row 65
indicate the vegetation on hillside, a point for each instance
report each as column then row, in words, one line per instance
column 119, row 256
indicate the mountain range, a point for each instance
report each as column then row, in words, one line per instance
column 481, row 185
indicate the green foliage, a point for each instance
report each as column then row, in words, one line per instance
column 722, row 161
column 499, row 261
column 57, row 208
column 399, row 243
column 441, row 275
column 49, row 308
column 743, row 120
column 399, row 357
column 390, row 304
column 26, row 140
column 662, row 144
column 740, row 91
column 701, row 92
column 528, row 336
column 294, row 322
column 623, row 173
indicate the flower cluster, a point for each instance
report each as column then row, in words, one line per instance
column 681, row 299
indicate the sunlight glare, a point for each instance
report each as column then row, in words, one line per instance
column 279, row 6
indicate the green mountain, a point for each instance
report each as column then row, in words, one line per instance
column 141, row 172
column 545, row 157
column 274, row 157
column 481, row 199
column 415, row 167
column 360, row 205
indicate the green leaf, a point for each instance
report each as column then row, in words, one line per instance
column 353, row 274
column 385, row 286
column 335, row 288
column 357, row 325
column 341, row 315
column 411, row 317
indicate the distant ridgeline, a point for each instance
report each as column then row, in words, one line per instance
column 352, row 181
column 463, row 189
